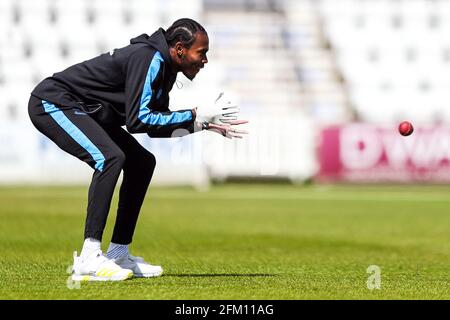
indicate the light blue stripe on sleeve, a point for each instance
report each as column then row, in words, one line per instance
column 145, row 114
column 75, row 133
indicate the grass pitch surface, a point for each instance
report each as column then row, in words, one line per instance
column 239, row 242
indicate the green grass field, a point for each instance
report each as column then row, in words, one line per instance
column 240, row 242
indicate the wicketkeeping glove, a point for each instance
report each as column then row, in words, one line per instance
column 222, row 111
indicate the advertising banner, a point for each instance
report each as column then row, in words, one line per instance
column 368, row 153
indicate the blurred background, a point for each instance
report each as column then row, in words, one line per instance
column 324, row 84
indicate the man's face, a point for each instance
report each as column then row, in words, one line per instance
column 195, row 58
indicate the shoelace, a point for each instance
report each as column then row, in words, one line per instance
column 104, row 261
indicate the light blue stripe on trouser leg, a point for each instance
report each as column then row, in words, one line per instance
column 76, row 134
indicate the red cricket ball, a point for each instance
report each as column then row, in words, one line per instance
column 405, row 128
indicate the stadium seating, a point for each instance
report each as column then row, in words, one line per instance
column 376, row 59
column 393, row 55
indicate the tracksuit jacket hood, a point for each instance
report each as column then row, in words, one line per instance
column 127, row 86
column 157, row 41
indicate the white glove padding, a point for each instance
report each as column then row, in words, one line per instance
column 227, row 129
column 222, row 111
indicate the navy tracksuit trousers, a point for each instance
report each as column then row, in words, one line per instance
column 108, row 150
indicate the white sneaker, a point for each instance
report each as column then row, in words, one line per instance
column 96, row 267
column 140, row 268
